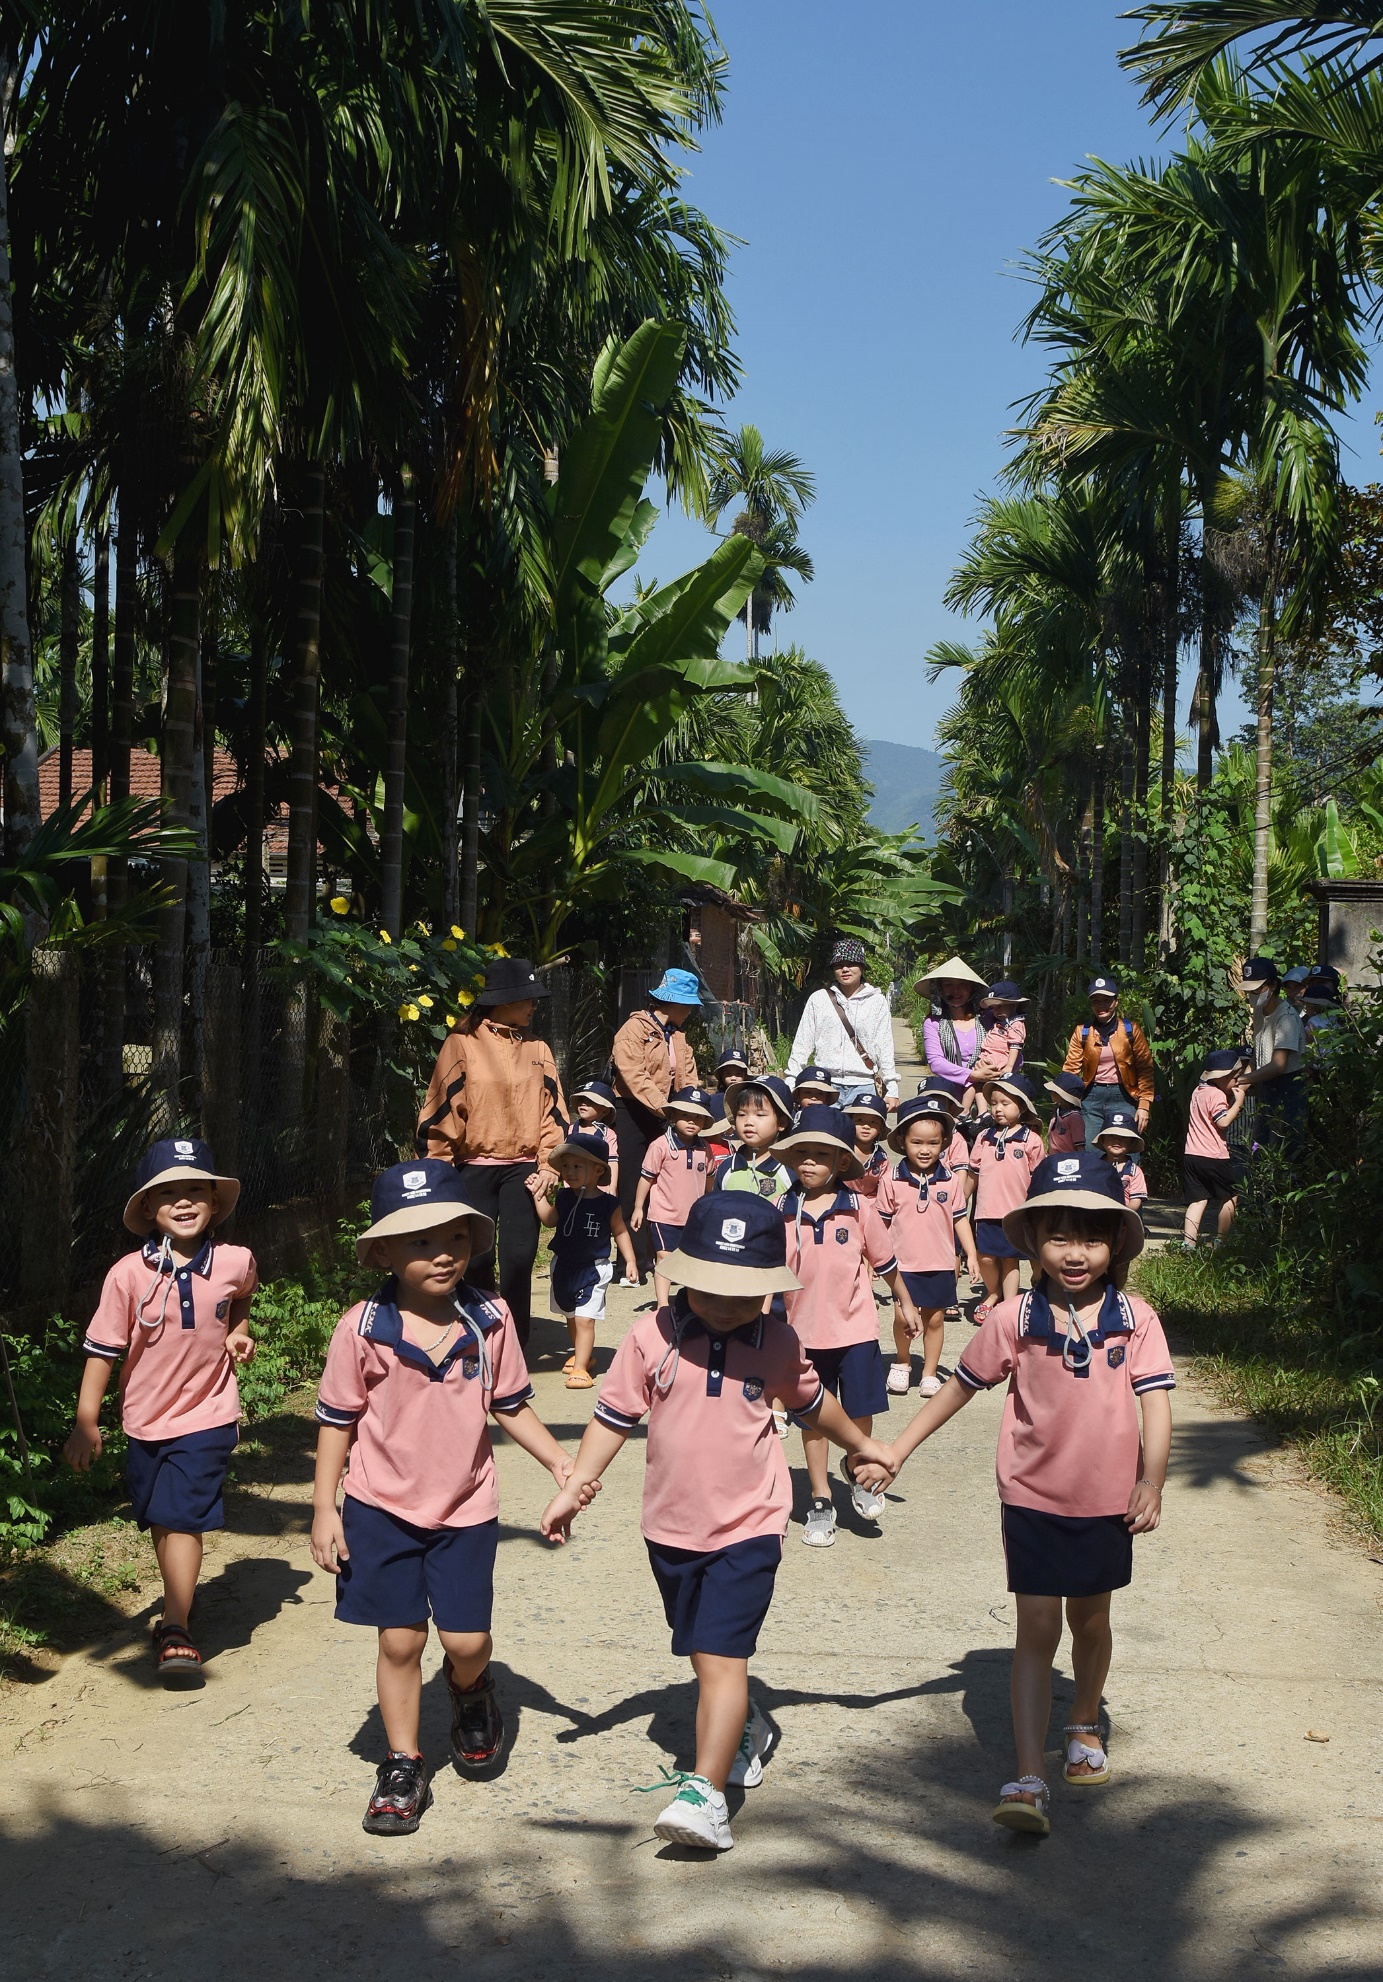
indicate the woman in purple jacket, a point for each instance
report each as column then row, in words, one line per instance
column 952, row 1036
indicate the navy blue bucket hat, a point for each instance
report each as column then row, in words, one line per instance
column 416, row 1197
column 589, row 1143
column 818, row 1079
column 773, row 1085
column 1023, row 1092
column 689, row 1101
column 176, row 1160
column 1005, row 992
column 950, row 1092
column 872, row 1105
column 732, row 1243
column 597, row 1091
column 1085, row 1181
column 1226, row 1060
column 923, row 1108
column 1066, row 1088
column 829, row 1127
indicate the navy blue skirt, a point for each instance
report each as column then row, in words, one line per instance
column 1065, row 1555
column 931, row 1290
column 990, row 1239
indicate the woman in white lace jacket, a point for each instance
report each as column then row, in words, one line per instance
column 823, row 1037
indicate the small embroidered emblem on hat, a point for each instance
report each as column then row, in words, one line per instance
column 414, row 1180
column 732, row 1231
column 1069, row 1166
column 185, row 1149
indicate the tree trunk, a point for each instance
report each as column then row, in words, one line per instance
column 254, row 789
column 302, row 789
column 1263, row 780
column 69, row 623
column 1142, row 744
column 23, row 812
column 197, row 952
column 470, row 811
column 1006, row 910
column 179, row 727
column 396, row 753
column 1097, row 860
column 121, row 730
column 211, row 657
column 100, row 662
column 1165, row 880
column 1128, row 728
column 450, row 719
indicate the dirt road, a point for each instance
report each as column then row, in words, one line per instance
column 217, row 1834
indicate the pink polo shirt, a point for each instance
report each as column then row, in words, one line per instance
column 1000, row 1037
column 714, row 1468
column 678, row 1173
column 876, row 1168
column 1069, row 1444
column 923, row 1227
column 177, row 1377
column 1204, row 1136
column 958, row 1154
column 1003, row 1161
column 836, row 1256
column 1134, row 1182
column 1066, row 1132
column 420, row 1443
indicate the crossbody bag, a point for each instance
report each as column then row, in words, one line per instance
column 854, row 1039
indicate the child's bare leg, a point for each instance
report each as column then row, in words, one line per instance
column 1227, row 1211
column 989, row 1273
column 1092, row 1646
column 902, row 1344
column 468, row 1654
column 399, row 1683
column 816, row 1448
column 722, row 1708
column 1009, row 1274
column 582, row 1330
column 180, row 1564
column 933, row 1339
column 1030, row 1688
column 1191, row 1225
column 662, row 1288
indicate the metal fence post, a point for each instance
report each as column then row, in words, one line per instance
column 49, row 1133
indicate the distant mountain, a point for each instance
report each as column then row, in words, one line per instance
column 906, row 781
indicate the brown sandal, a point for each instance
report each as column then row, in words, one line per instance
column 178, row 1657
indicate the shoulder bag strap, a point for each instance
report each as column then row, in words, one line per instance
column 851, row 1033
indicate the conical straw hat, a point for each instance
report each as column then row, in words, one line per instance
column 953, row 968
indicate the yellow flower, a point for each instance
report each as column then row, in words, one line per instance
column 498, row 950
column 448, row 944
column 465, row 997
column 451, row 1020
column 385, row 937
column 425, row 1001
column 412, row 966
column 408, row 1011
column 340, row 905
column 459, row 934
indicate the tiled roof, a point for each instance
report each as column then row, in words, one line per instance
column 145, row 776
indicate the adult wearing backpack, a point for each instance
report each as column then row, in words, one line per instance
column 1113, row 1058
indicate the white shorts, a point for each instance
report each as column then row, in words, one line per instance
column 584, row 1289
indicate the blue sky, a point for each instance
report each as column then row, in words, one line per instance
column 886, row 164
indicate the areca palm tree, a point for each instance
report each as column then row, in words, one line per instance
column 774, row 488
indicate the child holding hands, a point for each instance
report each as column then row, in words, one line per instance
column 584, row 1217
column 182, row 1333
column 923, row 1203
column 1076, row 1480
column 716, row 1495
column 1003, row 1159
column 410, row 1379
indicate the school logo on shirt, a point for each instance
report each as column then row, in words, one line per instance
column 1115, row 1354
column 223, row 1308
column 753, row 1388
column 470, row 1366
column 941, row 1197
column 842, row 1236
column 767, row 1187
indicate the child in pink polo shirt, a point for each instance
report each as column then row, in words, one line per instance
column 1066, row 1129
column 837, row 1242
column 1122, row 1144
column 1076, row 1480
column 410, row 1379
column 1210, row 1170
column 178, row 1312
column 1003, row 1158
column 923, row 1203
column 716, row 1494
column 1005, row 1031
column 673, row 1177
column 870, row 1117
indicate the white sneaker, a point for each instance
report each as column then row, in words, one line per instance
column 747, row 1769
column 819, row 1530
column 869, row 1506
column 929, row 1386
column 899, row 1377
column 696, row 1816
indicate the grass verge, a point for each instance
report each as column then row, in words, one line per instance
column 1280, row 1361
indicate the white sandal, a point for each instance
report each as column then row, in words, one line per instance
column 1016, row 1815
column 1096, row 1761
column 899, row 1379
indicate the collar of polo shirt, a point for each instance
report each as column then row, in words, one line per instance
column 200, row 1261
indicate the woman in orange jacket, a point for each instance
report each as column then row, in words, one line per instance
column 650, row 1060
column 494, row 1108
column 1113, row 1058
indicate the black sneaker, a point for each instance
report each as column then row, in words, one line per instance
column 477, row 1725
column 402, row 1793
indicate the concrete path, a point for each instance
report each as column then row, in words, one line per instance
column 217, row 1834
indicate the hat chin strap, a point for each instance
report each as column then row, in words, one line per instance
column 1076, row 1351
column 165, row 1265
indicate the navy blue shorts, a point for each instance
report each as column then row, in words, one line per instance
column 177, row 1482
column 578, row 1287
column 1065, row 1555
column 990, row 1238
column 667, row 1238
column 931, row 1290
column 397, row 1572
column 716, row 1601
column 856, row 1375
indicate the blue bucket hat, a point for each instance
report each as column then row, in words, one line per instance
column 923, row 1108
column 716, row 1126
column 818, row 1123
column 1102, row 987
column 596, row 1090
column 773, row 1085
column 688, row 1101
column 817, row 1077
column 732, row 1243
column 1223, row 1061
column 1005, row 992
column 1085, row 1181
column 1023, row 1092
column 948, row 1091
column 173, row 1160
column 868, row 1104
column 1068, row 1088
column 728, row 1060
column 414, row 1197
column 1122, row 1122
column 679, row 987
column 584, row 1142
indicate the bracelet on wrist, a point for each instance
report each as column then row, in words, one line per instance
column 1150, row 1483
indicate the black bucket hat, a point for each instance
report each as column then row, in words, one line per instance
column 508, row 981
column 589, row 1143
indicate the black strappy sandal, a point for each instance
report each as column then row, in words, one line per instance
column 179, row 1661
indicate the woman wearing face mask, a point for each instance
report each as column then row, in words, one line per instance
column 1279, row 1044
